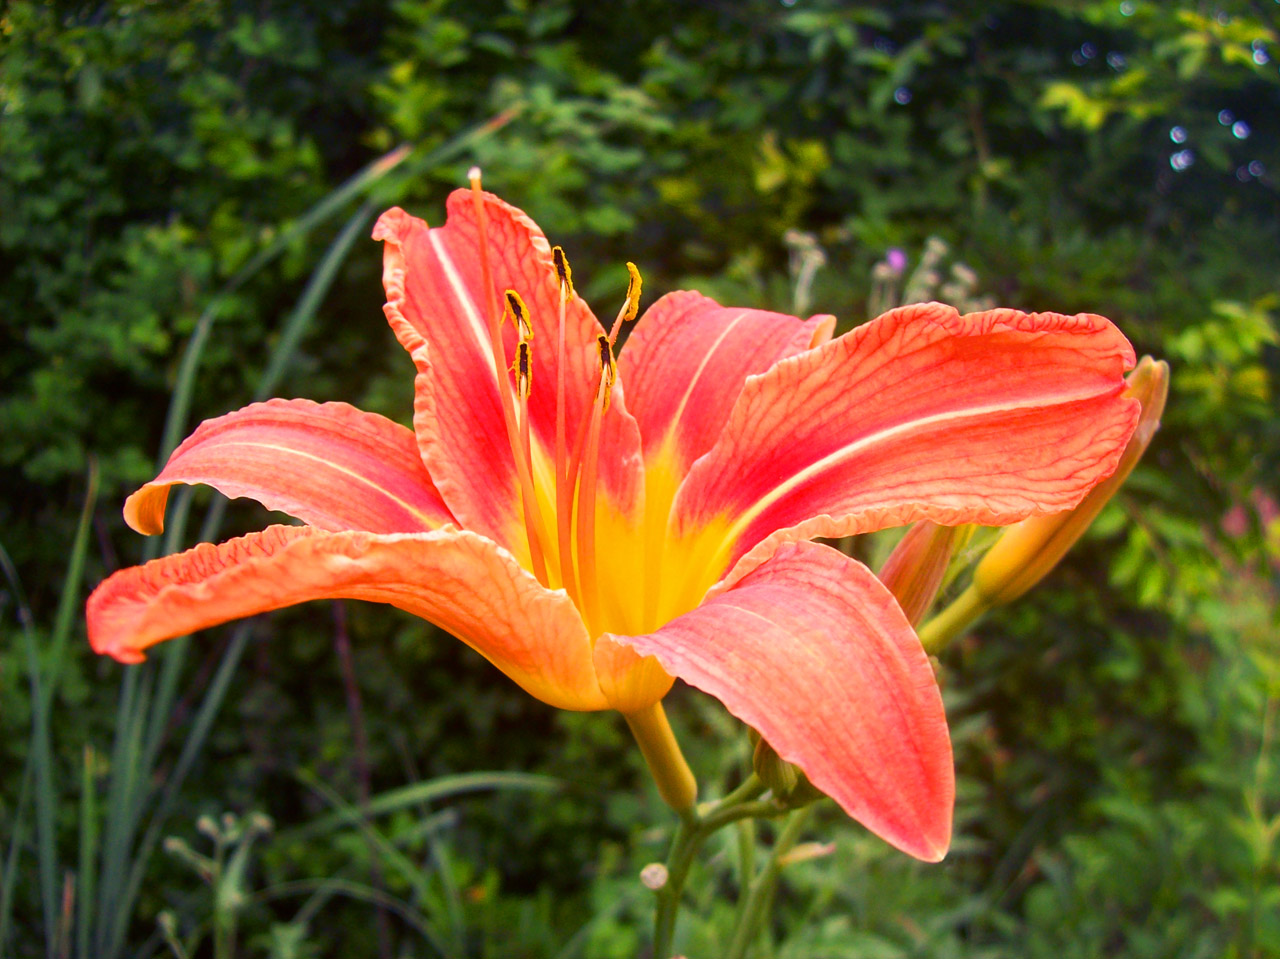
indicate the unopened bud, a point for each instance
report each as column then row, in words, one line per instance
column 1027, row 551
column 915, row 569
column 775, row 772
column 787, row 781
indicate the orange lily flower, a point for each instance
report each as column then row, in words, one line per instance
column 594, row 543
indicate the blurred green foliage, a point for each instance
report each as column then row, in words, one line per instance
column 1115, row 732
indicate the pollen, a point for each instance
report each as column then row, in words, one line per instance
column 523, row 369
column 520, row 313
column 562, row 271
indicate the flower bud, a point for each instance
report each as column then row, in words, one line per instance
column 775, row 772
column 1027, row 551
column 787, row 781
column 915, row 569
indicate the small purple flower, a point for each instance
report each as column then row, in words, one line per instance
column 897, row 260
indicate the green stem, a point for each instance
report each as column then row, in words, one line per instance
column 750, row 788
column 761, row 892
column 952, row 621
column 688, row 839
column 720, row 817
column 746, row 863
column 690, row 835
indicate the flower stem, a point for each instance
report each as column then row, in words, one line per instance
column 952, row 621
column 760, row 895
column 690, row 835
column 688, row 839
column 658, row 745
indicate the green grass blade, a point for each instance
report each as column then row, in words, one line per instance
column 573, row 948
column 9, row 881
column 121, row 801
column 32, row 771
column 43, row 680
column 312, row 296
column 69, row 603
column 332, row 886
column 454, row 914
column 195, row 740
column 392, row 857
column 88, row 853
column 434, row 790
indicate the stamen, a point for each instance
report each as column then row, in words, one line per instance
column 523, row 368
column 564, row 477
column 533, row 524
column 630, row 306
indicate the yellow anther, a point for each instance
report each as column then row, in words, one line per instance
column 522, row 367
column 520, row 312
column 562, row 271
column 608, row 367
column 633, row 293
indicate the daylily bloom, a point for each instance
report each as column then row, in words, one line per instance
column 593, row 543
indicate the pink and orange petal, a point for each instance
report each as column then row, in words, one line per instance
column 460, row 581
column 811, row 650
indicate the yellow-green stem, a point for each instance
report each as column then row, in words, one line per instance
column 657, row 742
column 953, row 620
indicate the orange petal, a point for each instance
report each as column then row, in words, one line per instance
column 438, row 308
column 456, row 579
column 329, row 464
column 812, row 650
column 688, row 360
column 920, row 414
